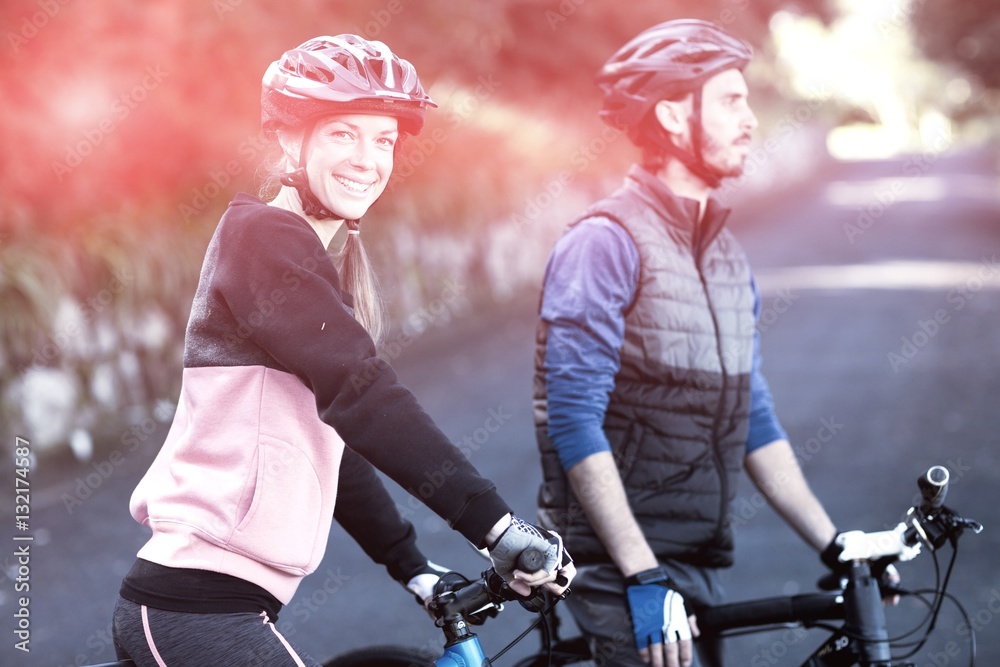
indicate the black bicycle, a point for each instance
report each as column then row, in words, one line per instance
column 862, row 637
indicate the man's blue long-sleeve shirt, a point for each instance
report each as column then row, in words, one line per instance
column 590, row 280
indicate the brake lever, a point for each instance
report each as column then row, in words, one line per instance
column 934, row 529
column 971, row 524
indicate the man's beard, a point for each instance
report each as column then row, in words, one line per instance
column 711, row 149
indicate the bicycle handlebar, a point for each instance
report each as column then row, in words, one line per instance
column 530, row 561
column 769, row 611
column 489, row 590
column 930, row 524
column 933, row 486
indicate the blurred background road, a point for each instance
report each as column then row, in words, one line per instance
column 870, row 210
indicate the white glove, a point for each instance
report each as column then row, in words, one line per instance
column 422, row 583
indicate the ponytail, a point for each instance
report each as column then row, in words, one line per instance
column 359, row 280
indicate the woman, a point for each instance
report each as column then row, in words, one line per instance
column 281, row 376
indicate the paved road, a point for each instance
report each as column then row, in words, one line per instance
column 881, row 314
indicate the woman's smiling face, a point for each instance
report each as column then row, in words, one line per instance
column 349, row 160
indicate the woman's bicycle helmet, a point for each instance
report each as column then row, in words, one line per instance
column 667, row 61
column 331, row 75
column 341, row 74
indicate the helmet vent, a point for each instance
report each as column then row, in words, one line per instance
column 639, row 82
column 699, row 56
column 348, row 62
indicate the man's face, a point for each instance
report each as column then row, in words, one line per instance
column 727, row 122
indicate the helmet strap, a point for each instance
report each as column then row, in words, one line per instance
column 692, row 159
column 299, row 180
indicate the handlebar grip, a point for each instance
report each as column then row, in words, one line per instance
column 933, row 486
column 530, row 561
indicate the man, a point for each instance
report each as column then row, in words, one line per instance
column 648, row 391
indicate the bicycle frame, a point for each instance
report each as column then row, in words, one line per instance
column 467, row 652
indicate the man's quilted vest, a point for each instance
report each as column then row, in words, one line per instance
column 677, row 420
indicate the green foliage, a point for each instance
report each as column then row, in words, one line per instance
column 105, row 305
column 30, row 287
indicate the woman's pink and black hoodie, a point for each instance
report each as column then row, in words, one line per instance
column 278, row 379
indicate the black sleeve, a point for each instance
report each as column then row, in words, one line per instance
column 276, row 257
column 369, row 515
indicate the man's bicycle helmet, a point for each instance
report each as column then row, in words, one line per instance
column 331, row 75
column 667, row 61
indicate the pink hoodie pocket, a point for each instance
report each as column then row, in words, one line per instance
column 283, row 521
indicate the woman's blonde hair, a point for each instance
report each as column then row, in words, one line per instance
column 357, row 274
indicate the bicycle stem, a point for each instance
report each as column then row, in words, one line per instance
column 462, row 646
column 865, row 616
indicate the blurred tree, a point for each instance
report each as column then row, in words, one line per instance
column 130, row 125
column 150, row 110
column 546, row 53
column 966, row 34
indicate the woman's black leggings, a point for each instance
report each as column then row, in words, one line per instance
column 158, row 638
